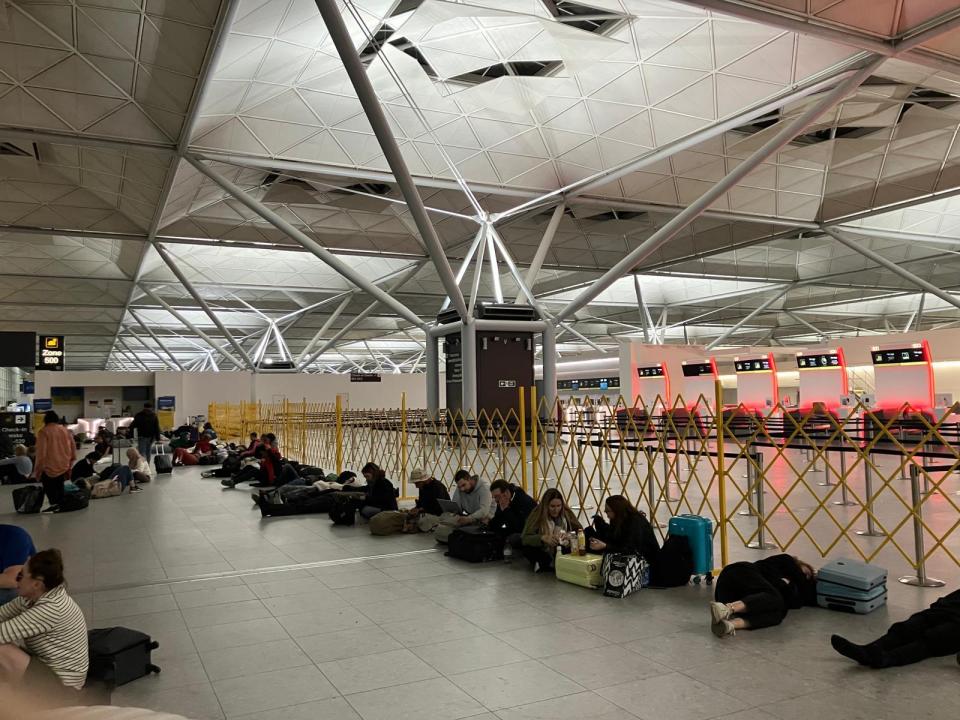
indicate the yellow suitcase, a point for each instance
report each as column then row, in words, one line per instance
column 583, row 570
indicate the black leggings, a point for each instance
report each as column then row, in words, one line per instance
column 53, row 488
column 742, row 581
column 926, row 634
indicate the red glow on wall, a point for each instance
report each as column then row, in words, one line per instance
column 665, row 395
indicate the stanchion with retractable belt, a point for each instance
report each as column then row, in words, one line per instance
column 871, row 530
column 761, row 542
column 844, row 500
column 920, row 579
column 651, row 487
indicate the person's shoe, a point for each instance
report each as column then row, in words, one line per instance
column 228, row 482
column 52, row 508
column 862, row 654
column 536, row 567
column 723, row 629
column 136, row 488
column 720, row 611
column 260, row 485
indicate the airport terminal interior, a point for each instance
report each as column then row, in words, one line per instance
column 679, row 273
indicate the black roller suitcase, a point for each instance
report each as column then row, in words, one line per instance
column 119, row 655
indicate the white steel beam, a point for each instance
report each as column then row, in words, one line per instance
column 542, row 249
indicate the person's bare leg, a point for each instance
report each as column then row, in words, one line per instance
column 13, row 664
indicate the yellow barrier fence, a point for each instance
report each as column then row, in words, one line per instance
column 874, row 485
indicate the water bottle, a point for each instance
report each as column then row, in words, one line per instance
column 507, row 553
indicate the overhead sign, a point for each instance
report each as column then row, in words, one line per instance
column 166, row 402
column 364, row 377
column 42, row 404
column 51, row 353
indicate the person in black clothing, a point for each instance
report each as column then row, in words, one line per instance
column 934, row 632
column 146, row 424
column 759, row 594
column 628, row 531
column 381, row 495
column 84, row 468
column 513, row 508
column 103, row 444
column 429, row 491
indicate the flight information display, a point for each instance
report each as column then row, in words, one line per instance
column 758, row 365
column 697, row 369
column 900, row 356
column 589, row 383
column 654, row 371
column 823, row 360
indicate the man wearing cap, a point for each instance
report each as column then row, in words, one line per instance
column 426, row 512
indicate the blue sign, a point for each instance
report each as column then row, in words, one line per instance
column 166, row 402
column 28, row 387
column 42, row 404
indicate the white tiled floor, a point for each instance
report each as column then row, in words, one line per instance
column 399, row 632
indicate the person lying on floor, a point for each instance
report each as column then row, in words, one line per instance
column 135, row 472
column 268, row 469
column 548, row 527
column 43, row 634
column 513, row 508
column 934, row 632
column 750, row 596
column 16, row 469
column 203, row 448
column 381, row 494
column 625, row 532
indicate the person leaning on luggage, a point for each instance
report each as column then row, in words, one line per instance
column 381, row 494
column 934, row 632
column 56, row 453
column 426, row 510
column 513, row 508
column 548, row 527
column 43, row 633
column 626, row 531
column 750, row 596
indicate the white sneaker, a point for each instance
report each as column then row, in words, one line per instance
column 720, row 611
column 723, row 629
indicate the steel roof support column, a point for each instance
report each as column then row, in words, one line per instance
column 193, row 328
column 893, row 267
column 494, row 265
column 542, row 249
column 750, row 316
column 188, row 286
column 342, row 40
column 433, row 376
column 680, row 221
column 548, row 345
column 477, row 239
column 156, row 339
column 468, row 365
column 323, row 328
column 131, row 354
column 648, row 326
column 331, row 260
column 163, row 361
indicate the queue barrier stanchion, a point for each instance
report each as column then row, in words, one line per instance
column 761, row 542
column 871, row 530
column 751, row 475
column 920, row 579
column 844, row 500
column 651, row 488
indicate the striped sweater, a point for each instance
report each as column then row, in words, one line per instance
column 53, row 630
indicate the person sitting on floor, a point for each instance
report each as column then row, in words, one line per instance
column 252, row 446
column 626, row 531
column 426, row 507
column 209, row 431
column 759, row 594
column 16, row 469
column 548, row 527
column 267, row 469
column 203, row 448
column 135, row 472
column 381, row 494
column 102, row 443
column 475, row 502
column 16, row 547
column 83, row 468
column 513, row 508
column 43, row 632
column 934, row 632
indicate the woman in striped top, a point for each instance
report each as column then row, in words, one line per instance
column 43, row 634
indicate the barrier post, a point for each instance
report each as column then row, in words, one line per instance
column 920, row 579
column 721, row 474
column 534, row 451
column 303, row 432
column 403, row 444
column 871, row 531
column 523, row 437
column 844, row 498
column 761, row 542
column 339, row 435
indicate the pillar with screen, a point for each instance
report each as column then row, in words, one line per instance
column 699, row 381
column 757, row 387
column 654, row 382
column 823, row 380
column 903, row 376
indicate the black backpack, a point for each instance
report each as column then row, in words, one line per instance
column 674, row 564
column 344, row 510
column 475, row 547
column 119, row 655
column 28, row 500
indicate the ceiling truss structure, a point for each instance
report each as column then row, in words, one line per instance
column 218, row 185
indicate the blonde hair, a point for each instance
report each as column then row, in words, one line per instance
column 540, row 518
column 20, row 449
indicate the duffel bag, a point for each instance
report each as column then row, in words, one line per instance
column 388, row 522
column 28, row 500
column 475, row 547
column 105, row 489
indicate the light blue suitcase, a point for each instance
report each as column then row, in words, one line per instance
column 853, row 574
column 861, row 602
column 699, row 533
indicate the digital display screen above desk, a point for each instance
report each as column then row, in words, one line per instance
column 697, row 369
column 589, row 384
column 758, row 365
column 900, row 356
column 824, row 360
column 646, row 372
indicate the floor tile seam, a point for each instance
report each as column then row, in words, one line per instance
column 560, row 697
column 250, row 571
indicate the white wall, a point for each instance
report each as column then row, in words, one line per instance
column 274, row 387
column 99, row 395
